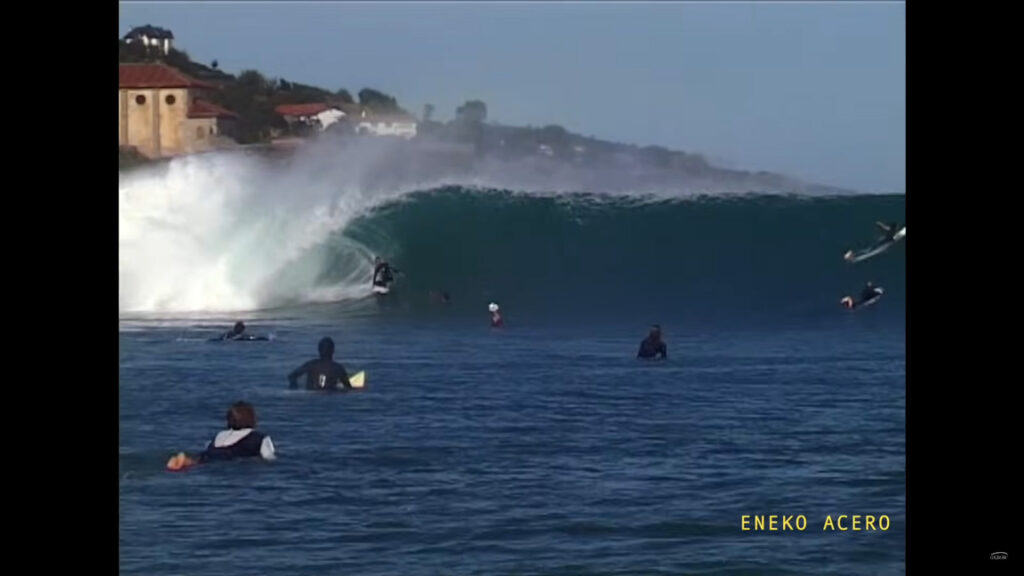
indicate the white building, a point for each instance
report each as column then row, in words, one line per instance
column 318, row 115
column 400, row 125
column 151, row 36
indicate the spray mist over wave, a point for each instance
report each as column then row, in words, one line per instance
column 228, row 232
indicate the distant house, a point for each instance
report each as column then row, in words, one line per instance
column 164, row 112
column 151, row 36
column 318, row 115
column 401, row 125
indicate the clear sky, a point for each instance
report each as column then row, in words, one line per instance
column 808, row 89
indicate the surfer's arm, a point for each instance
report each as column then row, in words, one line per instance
column 343, row 379
column 293, row 378
column 883, row 226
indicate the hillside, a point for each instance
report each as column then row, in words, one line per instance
column 254, row 97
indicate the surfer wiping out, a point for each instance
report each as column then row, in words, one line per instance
column 653, row 345
column 322, row 373
column 890, row 229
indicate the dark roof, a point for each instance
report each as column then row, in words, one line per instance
column 151, row 31
column 156, row 76
column 302, row 109
column 206, row 109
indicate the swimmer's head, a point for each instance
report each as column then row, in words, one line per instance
column 239, row 327
column 241, row 415
column 492, row 307
column 326, row 347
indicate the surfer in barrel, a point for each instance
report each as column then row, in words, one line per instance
column 383, row 273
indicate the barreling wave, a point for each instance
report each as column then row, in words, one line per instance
column 227, row 234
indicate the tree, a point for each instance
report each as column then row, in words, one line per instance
column 343, row 95
column 473, row 111
column 377, row 101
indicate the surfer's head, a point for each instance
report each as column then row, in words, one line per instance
column 239, row 327
column 376, row 259
column 870, row 284
column 655, row 331
column 326, row 347
column 492, row 307
column 241, row 415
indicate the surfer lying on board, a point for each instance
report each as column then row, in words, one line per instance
column 323, row 373
column 383, row 272
column 240, row 440
column 653, row 345
column 869, row 293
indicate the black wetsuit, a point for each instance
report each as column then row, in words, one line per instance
column 321, row 374
column 868, row 293
column 247, row 447
column 651, row 348
column 383, row 274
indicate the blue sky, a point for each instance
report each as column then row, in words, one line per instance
column 812, row 90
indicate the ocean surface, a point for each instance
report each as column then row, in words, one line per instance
column 540, row 448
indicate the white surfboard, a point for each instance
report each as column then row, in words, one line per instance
column 853, row 256
column 381, row 289
column 358, row 380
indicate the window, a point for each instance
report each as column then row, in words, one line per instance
column 140, row 99
column 170, row 99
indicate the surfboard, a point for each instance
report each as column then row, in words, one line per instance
column 381, row 289
column 867, row 302
column 358, row 380
column 854, row 256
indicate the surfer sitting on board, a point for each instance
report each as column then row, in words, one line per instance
column 653, row 345
column 323, row 373
column 383, row 273
column 240, row 440
column 869, row 293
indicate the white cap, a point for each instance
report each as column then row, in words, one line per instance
column 492, row 307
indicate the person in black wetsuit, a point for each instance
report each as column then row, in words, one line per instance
column 889, row 229
column 870, row 291
column 323, row 373
column 653, row 346
column 240, row 440
column 383, row 272
column 236, row 333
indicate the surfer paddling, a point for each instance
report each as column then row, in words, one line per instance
column 240, row 440
column 868, row 295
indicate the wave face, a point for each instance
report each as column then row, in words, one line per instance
column 232, row 234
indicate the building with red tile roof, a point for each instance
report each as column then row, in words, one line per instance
column 165, row 112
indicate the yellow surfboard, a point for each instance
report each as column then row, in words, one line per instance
column 358, row 380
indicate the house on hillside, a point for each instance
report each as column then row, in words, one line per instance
column 151, row 36
column 164, row 112
column 402, row 125
column 318, row 116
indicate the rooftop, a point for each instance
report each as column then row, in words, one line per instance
column 156, row 76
